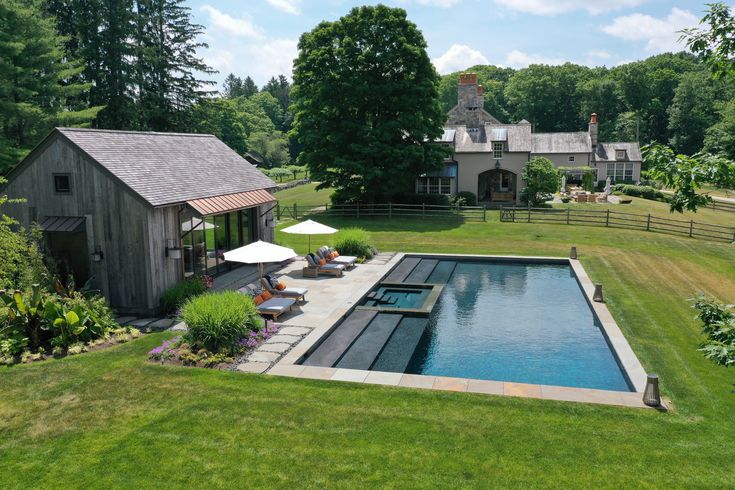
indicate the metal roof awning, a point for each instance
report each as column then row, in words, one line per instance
column 63, row 223
column 231, row 202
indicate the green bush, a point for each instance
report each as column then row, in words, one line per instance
column 176, row 296
column 642, row 191
column 468, row 198
column 354, row 241
column 542, row 180
column 217, row 321
column 718, row 322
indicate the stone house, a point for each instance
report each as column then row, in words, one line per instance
column 488, row 156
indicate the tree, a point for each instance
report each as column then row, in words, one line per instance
column 36, row 80
column 221, row 118
column 692, row 111
column 720, row 137
column 366, row 107
column 715, row 43
column 686, row 175
column 280, row 89
column 542, row 181
column 271, row 107
column 167, row 64
column 601, row 95
column 272, row 146
column 232, row 86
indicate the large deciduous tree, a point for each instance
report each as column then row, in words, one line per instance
column 714, row 40
column 542, row 180
column 366, row 107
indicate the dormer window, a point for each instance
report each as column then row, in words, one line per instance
column 62, row 184
column 619, row 154
column 571, row 158
column 497, row 150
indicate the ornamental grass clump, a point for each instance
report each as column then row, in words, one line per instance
column 354, row 241
column 217, row 321
column 174, row 297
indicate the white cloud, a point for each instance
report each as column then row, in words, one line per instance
column 660, row 35
column 598, row 54
column 438, row 3
column 272, row 58
column 555, row 7
column 458, row 57
column 220, row 21
column 519, row 59
column 288, row 6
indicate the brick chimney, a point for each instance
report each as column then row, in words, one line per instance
column 468, row 79
column 470, row 100
column 593, row 130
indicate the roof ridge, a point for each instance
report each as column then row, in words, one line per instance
column 126, row 131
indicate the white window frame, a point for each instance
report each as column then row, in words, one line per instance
column 620, row 171
column 571, row 159
column 619, row 154
column 435, row 185
column 498, row 150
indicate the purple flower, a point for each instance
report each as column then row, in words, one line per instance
column 156, row 351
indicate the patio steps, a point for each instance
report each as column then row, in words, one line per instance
column 442, row 272
column 329, row 351
column 403, row 269
column 367, row 347
column 422, row 271
column 399, row 350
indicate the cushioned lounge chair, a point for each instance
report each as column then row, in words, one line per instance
column 346, row 260
column 299, row 294
column 273, row 307
column 334, row 269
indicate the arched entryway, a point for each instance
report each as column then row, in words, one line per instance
column 497, row 185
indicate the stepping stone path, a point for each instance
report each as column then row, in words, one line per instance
column 272, row 350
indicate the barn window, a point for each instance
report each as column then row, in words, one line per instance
column 62, row 183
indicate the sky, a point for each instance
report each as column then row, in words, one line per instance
column 259, row 37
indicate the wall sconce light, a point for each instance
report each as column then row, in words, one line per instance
column 269, row 222
column 97, row 255
column 172, row 250
column 497, row 164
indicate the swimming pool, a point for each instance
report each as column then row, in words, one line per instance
column 511, row 321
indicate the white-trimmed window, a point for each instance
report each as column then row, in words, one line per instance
column 497, row 150
column 571, row 159
column 619, row 154
column 620, row 172
column 434, row 185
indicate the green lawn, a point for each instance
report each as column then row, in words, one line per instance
column 305, row 195
column 111, row 419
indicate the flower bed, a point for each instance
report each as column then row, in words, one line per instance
column 183, row 351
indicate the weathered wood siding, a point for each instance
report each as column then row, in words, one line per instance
column 130, row 233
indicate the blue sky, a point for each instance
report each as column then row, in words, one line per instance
column 259, row 37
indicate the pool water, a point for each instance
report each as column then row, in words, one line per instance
column 397, row 297
column 516, row 322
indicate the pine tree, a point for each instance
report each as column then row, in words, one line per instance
column 248, row 87
column 232, row 86
column 280, row 89
column 167, row 64
column 35, row 79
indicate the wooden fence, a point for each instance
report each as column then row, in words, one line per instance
column 614, row 219
column 722, row 206
column 389, row 210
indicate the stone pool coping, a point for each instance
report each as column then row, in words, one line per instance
column 631, row 366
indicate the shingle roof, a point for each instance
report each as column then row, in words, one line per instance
column 447, row 136
column 562, row 143
column 605, row 152
column 168, row 168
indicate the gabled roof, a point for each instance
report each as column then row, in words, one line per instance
column 169, row 168
column 605, row 152
column 562, row 142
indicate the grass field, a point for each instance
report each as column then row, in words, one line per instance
column 305, row 195
column 111, row 419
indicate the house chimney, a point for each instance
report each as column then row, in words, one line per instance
column 470, row 100
column 468, row 79
column 593, row 130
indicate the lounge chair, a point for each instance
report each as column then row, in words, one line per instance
column 346, row 260
column 268, row 281
column 273, row 307
column 314, row 267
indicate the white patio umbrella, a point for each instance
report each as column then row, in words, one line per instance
column 197, row 225
column 310, row 227
column 259, row 253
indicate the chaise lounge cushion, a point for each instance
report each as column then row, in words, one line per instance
column 276, row 305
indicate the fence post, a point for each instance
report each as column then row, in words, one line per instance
column 390, row 210
column 607, row 218
column 733, row 235
column 648, row 223
column 484, row 218
column 569, row 211
column 691, row 228
column 423, row 210
column 458, row 216
column 529, row 214
column 278, row 210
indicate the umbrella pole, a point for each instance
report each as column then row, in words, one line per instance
column 309, row 243
column 260, row 274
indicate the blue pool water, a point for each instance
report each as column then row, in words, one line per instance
column 398, row 297
column 517, row 322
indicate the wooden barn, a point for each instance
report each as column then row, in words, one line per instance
column 136, row 212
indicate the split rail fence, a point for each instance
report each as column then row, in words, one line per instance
column 389, row 210
column 615, row 219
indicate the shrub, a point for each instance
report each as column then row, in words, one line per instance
column 542, row 181
column 719, row 326
column 641, row 191
column 354, row 241
column 217, row 321
column 177, row 295
column 467, row 198
column 428, row 199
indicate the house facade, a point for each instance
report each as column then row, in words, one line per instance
column 136, row 212
column 489, row 156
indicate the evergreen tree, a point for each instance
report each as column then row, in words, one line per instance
column 280, row 89
column 35, row 79
column 232, row 86
column 167, row 64
column 248, row 87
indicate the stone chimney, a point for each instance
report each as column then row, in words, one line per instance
column 593, row 130
column 470, row 100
